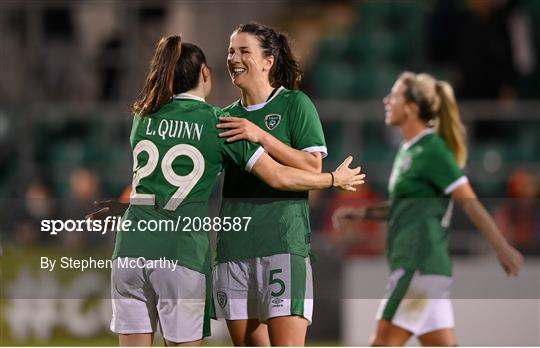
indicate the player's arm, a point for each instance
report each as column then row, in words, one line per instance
column 510, row 259
column 107, row 208
column 377, row 212
column 292, row 179
column 241, row 128
column 310, row 161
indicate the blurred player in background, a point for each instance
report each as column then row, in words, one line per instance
column 427, row 172
column 177, row 156
column 263, row 274
column 519, row 216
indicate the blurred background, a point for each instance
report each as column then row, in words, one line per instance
column 71, row 70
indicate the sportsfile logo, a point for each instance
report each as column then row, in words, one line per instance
column 116, row 223
column 110, row 223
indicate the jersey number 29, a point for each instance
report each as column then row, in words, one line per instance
column 185, row 183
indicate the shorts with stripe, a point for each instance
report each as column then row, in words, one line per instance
column 418, row 303
column 264, row 287
column 175, row 298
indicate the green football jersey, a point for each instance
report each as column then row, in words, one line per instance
column 177, row 156
column 279, row 219
column 424, row 173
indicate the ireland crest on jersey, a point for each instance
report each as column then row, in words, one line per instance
column 406, row 163
column 272, row 121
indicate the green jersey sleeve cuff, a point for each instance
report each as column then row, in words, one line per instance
column 254, row 158
column 321, row 149
column 456, row 184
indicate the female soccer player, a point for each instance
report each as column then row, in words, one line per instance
column 263, row 274
column 427, row 171
column 162, row 260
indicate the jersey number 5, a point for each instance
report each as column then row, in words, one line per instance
column 272, row 280
column 185, row 183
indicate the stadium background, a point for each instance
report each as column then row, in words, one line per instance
column 70, row 70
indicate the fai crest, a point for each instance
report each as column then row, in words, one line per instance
column 221, row 299
column 406, row 164
column 272, row 121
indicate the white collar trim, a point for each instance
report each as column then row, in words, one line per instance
column 188, row 96
column 408, row 144
column 261, row 105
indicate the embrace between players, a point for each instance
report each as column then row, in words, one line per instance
column 271, row 153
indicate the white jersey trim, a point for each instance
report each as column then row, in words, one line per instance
column 322, row 149
column 261, row 105
column 419, row 136
column 456, row 184
column 254, row 158
column 188, row 96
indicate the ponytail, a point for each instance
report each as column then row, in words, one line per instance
column 286, row 70
column 437, row 105
column 449, row 125
column 158, row 87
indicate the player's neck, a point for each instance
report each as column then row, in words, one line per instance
column 197, row 92
column 256, row 94
column 410, row 130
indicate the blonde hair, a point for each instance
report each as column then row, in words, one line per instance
column 437, row 106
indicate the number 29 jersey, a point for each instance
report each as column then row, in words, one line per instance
column 177, row 156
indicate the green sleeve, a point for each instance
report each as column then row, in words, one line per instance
column 442, row 170
column 218, row 112
column 306, row 129
column 137, row 119
column 243, row 153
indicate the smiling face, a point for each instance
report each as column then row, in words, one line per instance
column 396, row 105
column 246, row 61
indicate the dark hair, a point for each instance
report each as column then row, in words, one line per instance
column 285, row 71
column 174, row 69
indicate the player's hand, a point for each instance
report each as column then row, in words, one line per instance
column 107, row 208
column 511, row 260
column 343, row 216
column 346, row 178
column 240, row 128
